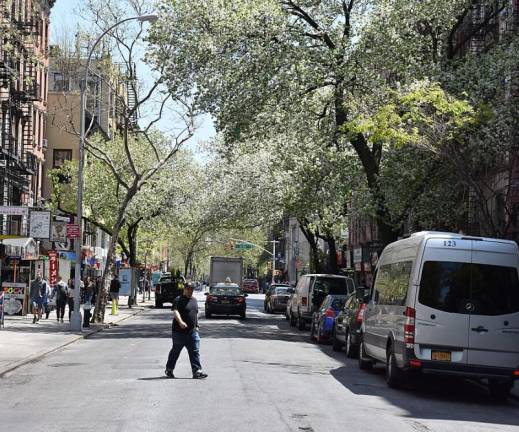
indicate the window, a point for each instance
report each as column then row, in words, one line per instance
column 392, row 283
column 60, row 82
column 448, row 286
column 60, row 156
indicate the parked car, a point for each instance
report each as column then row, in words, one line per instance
column 225, row 299
column 310, row 292
column 445, row 303
column 276, row 298
column 323, row 320
column 168, row 288
column 250, row 286
column 349, row 321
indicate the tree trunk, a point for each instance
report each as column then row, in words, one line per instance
column 99, row 314
column 333, row 268
column 315, row 262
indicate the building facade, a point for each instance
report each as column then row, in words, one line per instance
column 24, row 33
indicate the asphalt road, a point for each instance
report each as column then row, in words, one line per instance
column 263, row 376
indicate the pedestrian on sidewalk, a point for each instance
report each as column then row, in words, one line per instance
column 115, row 286
column 36, row 293
column 46, row 298
column 70, row 296
column 60, row 292
column 185, row 333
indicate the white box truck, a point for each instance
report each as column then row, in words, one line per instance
column 226, row 267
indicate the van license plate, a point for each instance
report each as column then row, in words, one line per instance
column 441, row 355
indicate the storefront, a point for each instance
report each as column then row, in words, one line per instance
column 18, row 266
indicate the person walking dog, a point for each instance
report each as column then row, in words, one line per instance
column 185, row 333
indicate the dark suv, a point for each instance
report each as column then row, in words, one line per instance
column 168, row 288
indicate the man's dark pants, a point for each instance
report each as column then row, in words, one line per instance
column 60, row 307
column 189, row 340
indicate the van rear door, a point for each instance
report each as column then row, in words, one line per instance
column 442, row 323
column 494, row 316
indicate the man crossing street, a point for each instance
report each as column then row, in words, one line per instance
column 185, row 333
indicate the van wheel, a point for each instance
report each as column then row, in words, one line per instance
column 300, row 323
column 352, row 351
column 364, row 362
column 499, row 390
column 394, row 375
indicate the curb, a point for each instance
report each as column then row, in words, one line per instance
column 37, row 357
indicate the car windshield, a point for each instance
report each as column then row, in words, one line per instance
column 281, row 290
column 338, row 303
column 447, row 286
column 331, row 286
column 226, row 290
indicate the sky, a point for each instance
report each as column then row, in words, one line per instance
column 64, row 18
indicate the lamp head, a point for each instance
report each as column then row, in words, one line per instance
column 148, row 18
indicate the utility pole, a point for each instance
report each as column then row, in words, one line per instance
column 273, row 258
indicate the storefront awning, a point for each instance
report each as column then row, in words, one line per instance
column 25, row 247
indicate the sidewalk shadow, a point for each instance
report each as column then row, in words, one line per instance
column 163, row 378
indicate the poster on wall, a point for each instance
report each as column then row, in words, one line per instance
column 13, row 294
column 40, row 222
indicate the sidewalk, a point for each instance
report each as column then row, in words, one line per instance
column 23, row 342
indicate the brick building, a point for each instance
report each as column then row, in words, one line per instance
column 24, row 30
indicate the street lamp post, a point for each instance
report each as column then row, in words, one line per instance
column 75, row 321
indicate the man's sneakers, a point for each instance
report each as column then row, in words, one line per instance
column 199, row 375
column 169, row 373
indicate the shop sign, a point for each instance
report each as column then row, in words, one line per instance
column 39, row 223
column 357, row 255
column 13, row 294
column 14, row 210
column 73, row 231
column 53, row 268
column 58, row 232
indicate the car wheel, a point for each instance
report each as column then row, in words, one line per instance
column 243, row 315
column 351, row 350
column 320, row 338
column 336, row 343
column 499, row 390
column 158, row 305
column 300, row 322
column 364, row 362
column 394, row 375
column 312, row 330
column 292, row 320
column 208, row 314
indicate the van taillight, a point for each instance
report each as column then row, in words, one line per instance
column 360, row 313
column 304, row 301
column 409, row 327
column 157, row 288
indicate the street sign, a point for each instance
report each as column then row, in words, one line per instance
column 73, row 231
column 14, row 210
column 39, row 223
column 243, row 246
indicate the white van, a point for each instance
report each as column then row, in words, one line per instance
column 310, row 292
column 445, row 303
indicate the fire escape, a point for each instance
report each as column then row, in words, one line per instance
column 18, row 91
